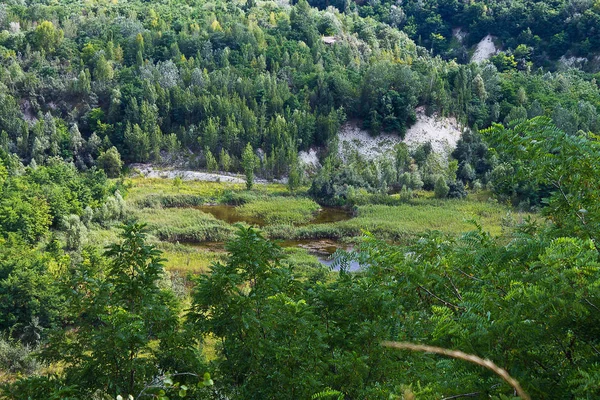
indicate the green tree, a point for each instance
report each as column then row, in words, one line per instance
column 249, row 164
column 225, row 160
column 294, row 176
column 539, row 157
column 211, row 161
column 46, row 37
column 251, row 305
column 103, row 71
column 28, row 286
column 138, row 143
column 127, row 326
column 24, row 212
column 110, row 162
column 441, row 188
column 139, row 50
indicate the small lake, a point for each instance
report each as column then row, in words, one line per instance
column 229, row 214
column 322, row 249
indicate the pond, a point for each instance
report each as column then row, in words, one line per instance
column 229, row 214
column 322, row 249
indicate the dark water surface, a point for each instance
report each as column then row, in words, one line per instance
column 229, row 214
column 320, row 248
column 323, row 249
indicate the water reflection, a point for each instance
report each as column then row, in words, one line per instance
column 230, row 215
column 353, row 266
column 322, row 249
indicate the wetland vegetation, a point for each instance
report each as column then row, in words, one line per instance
column 336, row 178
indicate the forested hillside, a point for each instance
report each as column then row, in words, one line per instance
column 272, row 259
column 542, row 30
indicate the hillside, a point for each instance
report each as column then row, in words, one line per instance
column 246, row 199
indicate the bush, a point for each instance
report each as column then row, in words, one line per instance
column 111, row 211
column 457, row 190
column 172, row 201
column 87, row 216
column 441, row 188
column 110, row 162
column 76, row 232
column 17, row 358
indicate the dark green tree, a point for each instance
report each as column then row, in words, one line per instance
column 249, row 164
column 127, row 327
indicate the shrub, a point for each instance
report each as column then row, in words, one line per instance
column 110, row 162
column 441, row 188
column 17, row 358
column 76, row 232
column 457, row 190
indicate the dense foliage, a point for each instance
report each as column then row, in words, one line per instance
column 87, row 88
column 541, row 31
column 103, row 81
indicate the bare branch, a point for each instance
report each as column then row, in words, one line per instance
column 462, row 356
column 446, row 303
column 458, row 396
column 455, row 288
column 591, row 304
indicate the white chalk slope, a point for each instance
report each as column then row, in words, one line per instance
column 484, row 50
column 442, row 133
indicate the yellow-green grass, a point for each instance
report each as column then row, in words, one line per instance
column 273, row 203
column 280, row 210
column 404, row 222
column 101, row 237
column 140, row 189
column 184, row 225
column 190, row 261
column 448, row 216
column 209, row 348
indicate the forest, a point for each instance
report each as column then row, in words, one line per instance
column 249, row 199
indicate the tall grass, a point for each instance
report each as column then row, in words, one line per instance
column 449, row 216
column 184, row 225
column 403, row 222
column 185, row 259
column 157, row 192
column 140, row 188
column 280, row 210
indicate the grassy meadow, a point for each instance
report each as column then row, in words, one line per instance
column 170, row 208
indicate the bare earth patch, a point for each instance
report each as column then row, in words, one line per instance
column 442, row 133
column 150, row 171
column 309, row 159
column 484, row 50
